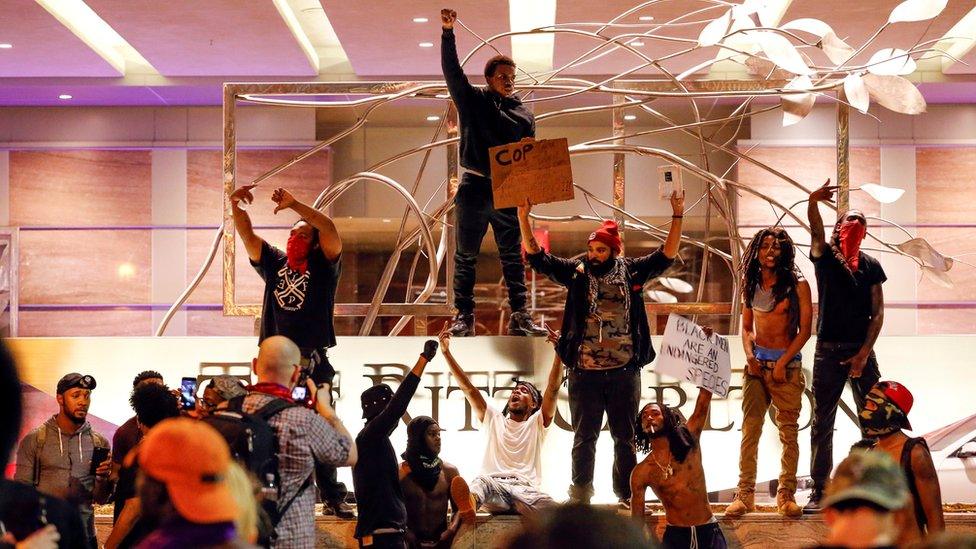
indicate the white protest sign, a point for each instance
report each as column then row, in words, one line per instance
column 689, row 355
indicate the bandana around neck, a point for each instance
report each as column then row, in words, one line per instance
column 425, row 466
column 614, row 274
column 851, row 235
column 297, row 252
column 884, row 419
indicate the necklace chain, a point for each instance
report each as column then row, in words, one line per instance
column 666, row 471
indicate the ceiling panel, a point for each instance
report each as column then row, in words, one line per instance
column 211, row 37
column 381, row 41
column 43, row 46
column 82, row 95
column 570, row 46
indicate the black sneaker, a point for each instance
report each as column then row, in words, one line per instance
column 462, row 325
column 813, row 505
column 340, row 509
column 521, row 325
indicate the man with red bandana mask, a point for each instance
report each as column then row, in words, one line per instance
column 851, row 312
column 299, row 297
column 605, row 340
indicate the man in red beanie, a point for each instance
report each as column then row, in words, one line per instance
column 604, row 341
column 884, row 415
column 184, row 465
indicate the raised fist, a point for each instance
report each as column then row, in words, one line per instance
column 430, row 350
column 448, row 17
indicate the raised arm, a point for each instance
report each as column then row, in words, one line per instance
column 860, row 360
column 802, row 335
column 818, row 243
column 323, row 406
column 550, row 397
column 697, row 420
column 329, row 239
column 457, row 83
column 242, row 222
column 673, row 241
column 525, row 227
column 927, row 485
column 471, row 393
column 386, row 421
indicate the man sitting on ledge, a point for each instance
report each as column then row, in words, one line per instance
column 512, row 468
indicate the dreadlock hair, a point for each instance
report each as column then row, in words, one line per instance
column 536, row 395
column 787, row 274
column 675, row 428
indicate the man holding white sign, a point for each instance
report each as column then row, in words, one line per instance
column 489, row 117
column 691, row 353
column 605, row 340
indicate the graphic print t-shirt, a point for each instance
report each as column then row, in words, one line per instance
column 298, row 305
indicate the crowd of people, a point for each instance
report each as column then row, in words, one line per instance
column 246, row 466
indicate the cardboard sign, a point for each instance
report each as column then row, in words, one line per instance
column 689, row 355
column 538, row 171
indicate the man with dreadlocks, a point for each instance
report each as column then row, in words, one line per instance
column 851, row 311
column 512, row 469
column 426, row 482
column 605, row 340
column 673, row 470
column 884, row 416
column 776, row 320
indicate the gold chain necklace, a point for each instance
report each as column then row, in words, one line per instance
column 667, row 472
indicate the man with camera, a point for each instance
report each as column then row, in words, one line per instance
column 299, row 298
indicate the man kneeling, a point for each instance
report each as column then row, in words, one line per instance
column 511, row 471
column 673, row 470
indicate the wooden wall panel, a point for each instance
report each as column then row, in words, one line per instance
column 85, row 323
column 80, row 187
column 945, row 196
column 214, row 323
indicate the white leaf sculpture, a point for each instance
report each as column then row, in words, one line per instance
column 807, row 24
column 890, row 62
column 920, row 248
column 661, row 296
column 676, row 285
column 884, row 195
column 781, row 51
column 836, row 49
column 714, row 32
column 796, row 106
column 939, row 277
column 895, row 93
column 857, row 92
column 916, row 10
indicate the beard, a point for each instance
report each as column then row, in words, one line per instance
column 600, row 268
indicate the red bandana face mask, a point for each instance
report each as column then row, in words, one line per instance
column 851, row 234
column 297, row 252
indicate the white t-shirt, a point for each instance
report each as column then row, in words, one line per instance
column 514, row 447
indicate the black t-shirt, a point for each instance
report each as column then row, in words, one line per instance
column 298, row 306
column 845, row 301
column 21, row 513
column 376, row 477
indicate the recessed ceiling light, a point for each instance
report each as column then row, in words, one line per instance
column 637, row 43
column 420, row 19
column 645, row 18
column 426, row 44
column 387, row 220
column 433, row 118
column 64, row 96
column 630, row 117
column 6, row 46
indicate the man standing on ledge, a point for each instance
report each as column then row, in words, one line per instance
column 299, row 298
column 489, row 117
column 851, row 311
column 605, row 340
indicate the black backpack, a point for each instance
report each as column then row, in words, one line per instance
column 254, row 444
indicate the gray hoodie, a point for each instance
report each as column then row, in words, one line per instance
column 65, row 465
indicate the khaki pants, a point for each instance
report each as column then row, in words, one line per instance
column 757, row 394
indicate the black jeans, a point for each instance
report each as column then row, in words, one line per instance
column 475, row 211
column 332, row 491
column 591, row 393
column 829, row 376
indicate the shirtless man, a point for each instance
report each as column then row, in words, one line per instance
column 776, row 320
column 426, row 482
column 885, row 414
column 673, row 470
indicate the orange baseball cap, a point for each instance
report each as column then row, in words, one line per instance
column 191, row 458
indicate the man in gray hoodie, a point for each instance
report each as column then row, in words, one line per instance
column 56, row 458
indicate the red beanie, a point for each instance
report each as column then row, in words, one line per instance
column 608, row 235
